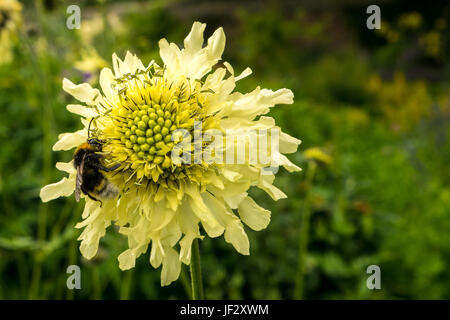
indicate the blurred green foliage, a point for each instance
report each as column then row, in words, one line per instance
column 384, row 199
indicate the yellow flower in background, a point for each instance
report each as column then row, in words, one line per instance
column 318, row 155
column 404, row 103
column 161, row 202
column 10, row 20
column 95, row 24
column 90, row 28
column 410, row 20
column 431, row 41
column 90, row 61
column 90, row 64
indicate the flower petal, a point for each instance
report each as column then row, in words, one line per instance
column 66, row 167
column 258, row 102
column 63, row 188
column 253, row 215
column 235, row 234
column 82, row 110
column 171, row 266
column 288, row 144
column 194, row 40
column 82, row 92
column 71, row 140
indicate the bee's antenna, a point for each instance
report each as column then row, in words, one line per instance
column 89, row 128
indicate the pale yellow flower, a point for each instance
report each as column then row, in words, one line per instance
column 318, row 155
column 90, row 64
column 161, row 202
column 10, row 21
column 94, row 25
column 410, row 20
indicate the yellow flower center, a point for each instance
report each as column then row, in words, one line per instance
column 140, row 132
column 148, row 131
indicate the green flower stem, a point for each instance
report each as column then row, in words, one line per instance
column 125, row 287
column 303, row 240
column 184, row 278
column 196, row 273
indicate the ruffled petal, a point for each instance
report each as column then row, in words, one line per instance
column 82, row 92
column 171, row 267
column 66, row 167
column 82, row 110
column 258, row 102
column 106, row 81
column 253, row 215
column 71, row 140
column 288, row 144
column 62, row 188
column 194, row 40
column 235, row 234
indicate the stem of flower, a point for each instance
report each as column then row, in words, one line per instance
column 196, row 273
column 303, row 240
column 185, row 281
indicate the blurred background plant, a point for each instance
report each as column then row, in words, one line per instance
column 372, row 109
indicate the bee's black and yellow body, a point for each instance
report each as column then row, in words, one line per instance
column 90, row 180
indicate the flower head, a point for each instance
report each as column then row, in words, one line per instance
column 318, row 155
column 168, row 127
column 90, row 64
column 10, row 19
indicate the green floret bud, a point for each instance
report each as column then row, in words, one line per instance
column 166, row 163
column 142, row 125
column 160, row 145
column 158, row 159
column 141, row 154
column 141, row 140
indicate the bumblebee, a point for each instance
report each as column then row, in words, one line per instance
column 89, row 179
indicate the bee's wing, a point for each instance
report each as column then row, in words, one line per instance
column 79, row 179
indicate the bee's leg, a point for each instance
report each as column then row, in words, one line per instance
column 95, row 155
column 103, row 168
column 114, row 167
column 95, row 199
